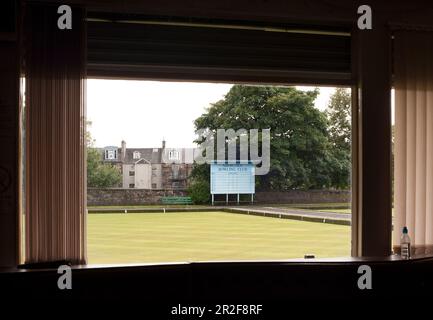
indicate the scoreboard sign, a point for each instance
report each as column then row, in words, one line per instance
column 236, row 178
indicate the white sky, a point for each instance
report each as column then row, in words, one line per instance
column 144, row 112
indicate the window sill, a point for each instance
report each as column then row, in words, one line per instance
column 344, row 261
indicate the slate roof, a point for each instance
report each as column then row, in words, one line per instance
column 152, row 155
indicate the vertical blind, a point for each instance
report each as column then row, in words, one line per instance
column 413, row 168
column 55, row 136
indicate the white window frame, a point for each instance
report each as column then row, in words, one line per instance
column 174, row 155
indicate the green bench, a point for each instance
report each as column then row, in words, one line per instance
column 176, row 200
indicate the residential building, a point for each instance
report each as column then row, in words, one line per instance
column 151, row 168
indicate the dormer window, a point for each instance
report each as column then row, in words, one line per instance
column 136, row 155
column 173, row 155
column 110, row 154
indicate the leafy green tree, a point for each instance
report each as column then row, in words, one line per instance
column 99, row 174
column 339, row 117
column 300, row 148
column 199, row 191
column 340, row 131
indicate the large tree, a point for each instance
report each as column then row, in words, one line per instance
column 301, row 157
column 339, row 116
column 99, row 174
column 340, row 132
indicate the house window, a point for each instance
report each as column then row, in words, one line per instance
column 173, row 155
column 153, row 185
column 131, row 173
column 110, row 154
column 132, row 185
column 136, row 155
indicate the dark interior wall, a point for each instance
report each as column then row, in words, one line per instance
column 9, row 93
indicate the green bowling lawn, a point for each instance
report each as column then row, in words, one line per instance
column 201, row 236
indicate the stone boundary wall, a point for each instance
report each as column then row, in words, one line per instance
column 303, row 196
column 119, row 197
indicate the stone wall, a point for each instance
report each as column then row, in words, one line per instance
column 118, row 196
column 301, row 196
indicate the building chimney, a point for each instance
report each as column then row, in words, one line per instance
column 163, row 144
column 123, row 150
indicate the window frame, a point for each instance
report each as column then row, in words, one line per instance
column 257, row 77
column 359, row 225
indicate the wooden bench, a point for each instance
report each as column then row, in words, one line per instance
column 176, row 200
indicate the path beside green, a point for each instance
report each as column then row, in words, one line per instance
column 200, row 236
column 336, row 210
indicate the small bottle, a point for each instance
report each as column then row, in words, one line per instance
column 405, row 244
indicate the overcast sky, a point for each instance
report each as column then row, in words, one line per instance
column 144, row 112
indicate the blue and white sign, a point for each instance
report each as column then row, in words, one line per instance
column 236, row 178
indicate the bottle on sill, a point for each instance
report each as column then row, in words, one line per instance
column 405, row 244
